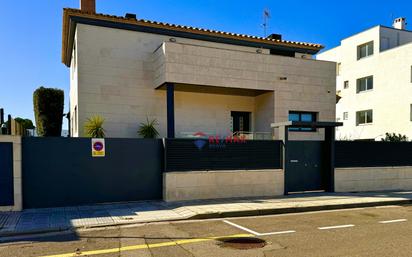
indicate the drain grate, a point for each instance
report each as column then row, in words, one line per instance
column 242, row 243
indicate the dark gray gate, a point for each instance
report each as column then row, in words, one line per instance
column 6, row 174
column 62, row 172
column 305, row 166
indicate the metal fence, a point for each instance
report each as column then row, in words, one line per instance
column 202, row 154
column 6, row 174
column 373, row 154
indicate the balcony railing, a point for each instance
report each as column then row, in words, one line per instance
column 249, row 135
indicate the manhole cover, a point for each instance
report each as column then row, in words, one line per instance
column 242, row 243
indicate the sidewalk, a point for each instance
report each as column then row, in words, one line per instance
column 66, row 218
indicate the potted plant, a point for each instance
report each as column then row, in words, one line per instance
column 94, row 127
column 148, row 129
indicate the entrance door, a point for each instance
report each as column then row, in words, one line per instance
column 240, row 121
column 305, row 170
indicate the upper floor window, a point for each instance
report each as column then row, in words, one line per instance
column 365, row 50
column 346, row 84
column 338, row 68
column 302, row 116
column 385, row 43
column 364, row 117
column 410, row 112
column 364, row 84
column 345, row 116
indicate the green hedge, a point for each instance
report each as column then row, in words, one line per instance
column 48, row 111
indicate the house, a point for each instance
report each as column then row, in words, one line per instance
column 190, row 80
column 374, row 82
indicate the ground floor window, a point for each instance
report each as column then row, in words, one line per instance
column 364, row 117
column 302, row 116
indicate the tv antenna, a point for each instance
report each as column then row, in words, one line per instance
column 266, row 17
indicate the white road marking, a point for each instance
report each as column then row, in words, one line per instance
column 335, row 227
column 277, row 233
column 387, row 206
column 392, row 221
column 242, row 228
column 257, row 233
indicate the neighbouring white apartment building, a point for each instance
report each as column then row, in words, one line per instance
column 190, row 79
column 374, row 82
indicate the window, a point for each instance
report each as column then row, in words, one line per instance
column 384, row 43
column 365, row 50
column 364, row 117
column 302, row 116
column 410, row 112
column 364, row 84
column 345, row 116
column 346, row 84
column 338, row 68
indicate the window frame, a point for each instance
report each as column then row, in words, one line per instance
column 346, row 84
column 358, row 123
column 300, row 113
column 345, row 115
column 410, row 112
column 358, row 84
column 369, row 50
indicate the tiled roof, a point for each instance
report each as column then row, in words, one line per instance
column 68, row 12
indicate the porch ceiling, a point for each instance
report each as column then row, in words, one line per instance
column 215, row 90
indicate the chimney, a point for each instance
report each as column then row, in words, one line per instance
column 275, row 36
column 400, row 23
column 88, row 5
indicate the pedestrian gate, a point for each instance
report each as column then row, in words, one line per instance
column 305, row 166
column 308, row 165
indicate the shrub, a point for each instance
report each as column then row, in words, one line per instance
column 94, row 127
column 48, row 106
column 148, row 129
column 392, row 137
column 26, row 123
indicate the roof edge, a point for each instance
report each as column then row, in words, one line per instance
column 69, row 15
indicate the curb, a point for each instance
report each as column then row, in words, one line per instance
column 216, row 215
column 263, row 212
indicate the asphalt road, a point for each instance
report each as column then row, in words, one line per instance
column 385, row 231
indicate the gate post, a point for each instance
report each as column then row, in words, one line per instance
column 284, row 136
column 330, row 150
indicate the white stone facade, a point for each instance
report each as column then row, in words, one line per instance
column 118, row 74
column 391, row 97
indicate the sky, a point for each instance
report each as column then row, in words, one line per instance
column 31, row 31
